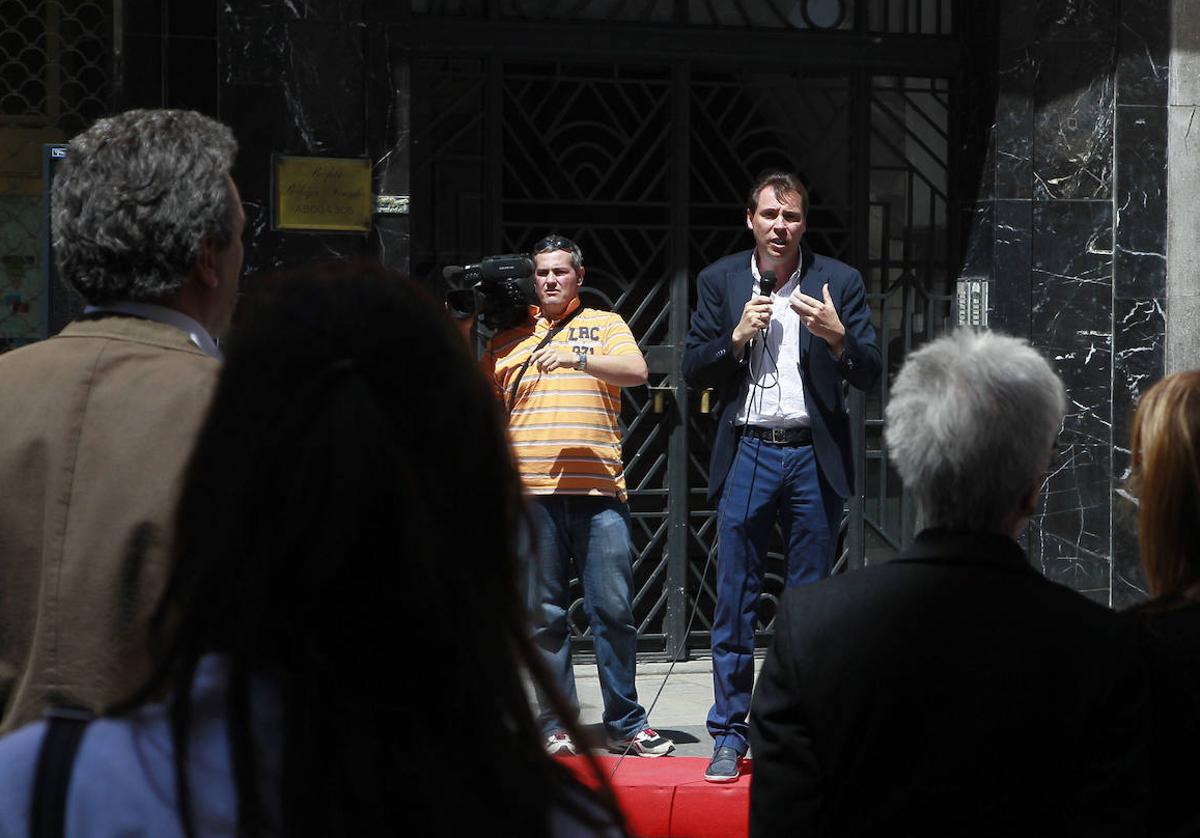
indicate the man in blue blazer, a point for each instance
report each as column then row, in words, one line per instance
column 778, row 361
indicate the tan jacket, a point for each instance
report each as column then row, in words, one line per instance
column 96, row 426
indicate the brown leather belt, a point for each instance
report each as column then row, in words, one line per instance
column 779, row 436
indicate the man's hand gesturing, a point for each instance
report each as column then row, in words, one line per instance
column 820, row 317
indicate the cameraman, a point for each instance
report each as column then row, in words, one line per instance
column 560, row 375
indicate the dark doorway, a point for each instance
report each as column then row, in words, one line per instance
column 526, row 121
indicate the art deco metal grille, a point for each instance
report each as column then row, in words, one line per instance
column 585, row 152
column 55, row 62
column 914, row 17
column 908, row 266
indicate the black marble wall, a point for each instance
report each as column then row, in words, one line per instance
column 1070, row 227
column 305, row 77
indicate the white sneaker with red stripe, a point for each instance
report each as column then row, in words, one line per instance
column 559, row 744
column 644, row 743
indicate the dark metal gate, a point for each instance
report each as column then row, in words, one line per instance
column 56, row 76
column 523, row 123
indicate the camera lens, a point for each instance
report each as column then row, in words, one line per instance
column 461, row 303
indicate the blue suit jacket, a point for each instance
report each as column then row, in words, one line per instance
column 724, row 288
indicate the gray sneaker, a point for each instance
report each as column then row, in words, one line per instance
column 725, row 766
column 644, row 743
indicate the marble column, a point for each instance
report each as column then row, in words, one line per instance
column 292, row 82
column 1073, row 208
column 1140, row 265
column 308, row 77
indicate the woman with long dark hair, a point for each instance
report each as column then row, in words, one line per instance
column 1165, row 479
column 343, row 646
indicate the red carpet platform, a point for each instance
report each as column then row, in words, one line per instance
column 668, row 796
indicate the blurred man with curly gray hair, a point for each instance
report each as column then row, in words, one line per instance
column 953, row 690
column 99, row 420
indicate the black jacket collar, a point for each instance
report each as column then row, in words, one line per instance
column 943, row 546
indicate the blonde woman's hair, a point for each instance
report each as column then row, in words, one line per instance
column 1165, row 445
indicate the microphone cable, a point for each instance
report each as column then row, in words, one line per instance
column 691, row 620
column 766, row 288
column 764, row 279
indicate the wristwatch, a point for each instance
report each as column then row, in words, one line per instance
column 581, row 362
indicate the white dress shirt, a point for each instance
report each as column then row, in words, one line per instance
column 196, row 333
column 776, row 395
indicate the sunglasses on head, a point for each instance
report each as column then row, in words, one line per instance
column 554, row 242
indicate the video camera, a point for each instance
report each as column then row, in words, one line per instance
column 498, row 290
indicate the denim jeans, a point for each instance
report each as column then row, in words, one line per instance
column 594, row 533
column 765, row 481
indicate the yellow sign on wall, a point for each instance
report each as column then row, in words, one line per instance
column 322, row 194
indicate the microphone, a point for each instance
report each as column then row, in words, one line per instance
column 766, row 287
column 766, row 283
column 452, row 272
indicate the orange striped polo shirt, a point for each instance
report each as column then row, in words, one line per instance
column 563, row 426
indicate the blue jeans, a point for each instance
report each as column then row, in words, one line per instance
column 765, row 481
column 594, row 532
